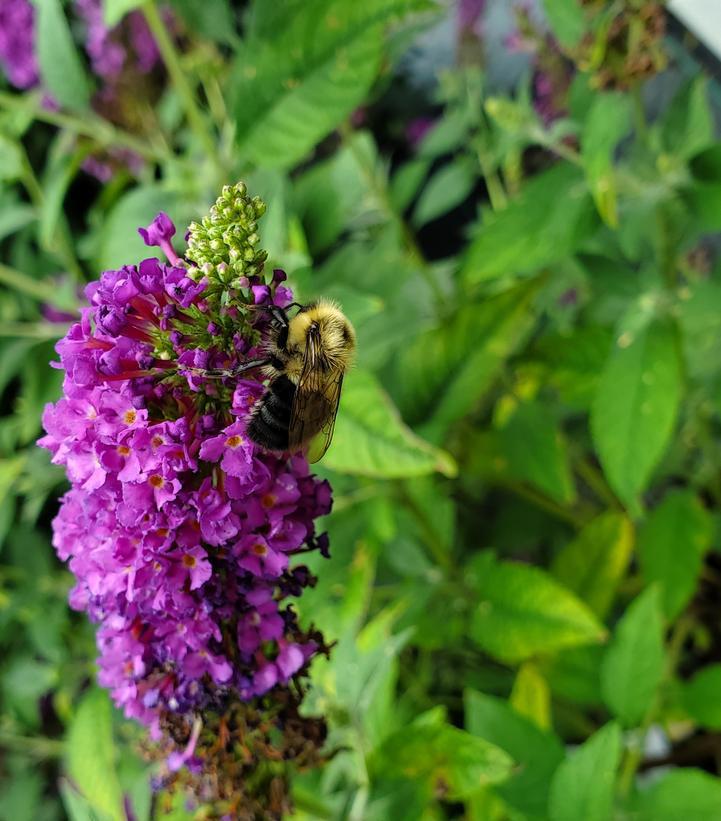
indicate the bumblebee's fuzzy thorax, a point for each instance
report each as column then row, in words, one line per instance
column 335, row 334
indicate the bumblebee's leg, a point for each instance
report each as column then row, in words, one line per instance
column 249, row 364
column 220, row 373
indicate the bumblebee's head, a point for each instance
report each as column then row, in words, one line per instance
column 333, row 332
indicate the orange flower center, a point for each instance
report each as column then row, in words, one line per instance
column 188, row 560
column 156, row 481
column 123, row 450
column 234, row 441
column 259, row 549
column 130, row 416
column 268, row 501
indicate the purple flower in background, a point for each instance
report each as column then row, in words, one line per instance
column 469, row 16
column 17, row 43
column 111, row 50
column 181, row 532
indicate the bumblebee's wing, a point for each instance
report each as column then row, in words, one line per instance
column 320, row 442
column 315, row 405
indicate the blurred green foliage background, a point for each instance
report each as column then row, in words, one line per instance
column 524, row 584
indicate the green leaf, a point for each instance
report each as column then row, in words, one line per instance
column 594, row 563
column 77, row 808
column 635, row 408
column 528, row 235
column 583, row 786
column 61, row 69
column 91, row 754
column 444, row 373
column 211, row 18
column 700, row 697
column 682, row 795
column 687, row 126
column 11, row 159
column 536, row 752
column 567, row 21
column 115, row 10
column 446, row 189
column 522, row 612
column 633, row 666
column 299, row 80
column 606, row 123
column 331, row 194
column 536, row 452
column 672, row 542
column 407, row 180
column 371, row 440
column 431, row 750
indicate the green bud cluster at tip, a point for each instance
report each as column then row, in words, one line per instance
column 224, row 243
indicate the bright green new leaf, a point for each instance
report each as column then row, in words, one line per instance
column 594, row 563
column 531, row 696
column 583, row 785
column 537, row 752
column 446, row 189
column 523, row 612
column 671, row 543
column 608, row 120
column 77, row 808
column 431, row 750
column 61, row 69
column 681, row 795
column 115, row 10
column 534, row 230
column 633, row 667
column 567, row 21
column 636, row 404
column 371, row 439
column 91, row 754
column 535, row 450
column 700, row 697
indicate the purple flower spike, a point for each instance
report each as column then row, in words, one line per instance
column 180, row 531
column 159, row 233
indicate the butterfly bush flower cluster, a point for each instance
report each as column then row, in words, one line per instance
column 181, row 532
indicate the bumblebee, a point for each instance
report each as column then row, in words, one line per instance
column 305, row 357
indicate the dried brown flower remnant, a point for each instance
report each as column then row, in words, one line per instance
column 625, row 44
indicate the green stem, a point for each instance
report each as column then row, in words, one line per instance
column 33, row 330
column 496, row 192
column 40, row 290
column 90, row 126
column 177, row 75
column 639, row 113
column 546, row 504
column 38, row 747
column 62, row 240
column 595, row 480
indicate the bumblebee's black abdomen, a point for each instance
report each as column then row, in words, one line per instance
column 270, row 421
